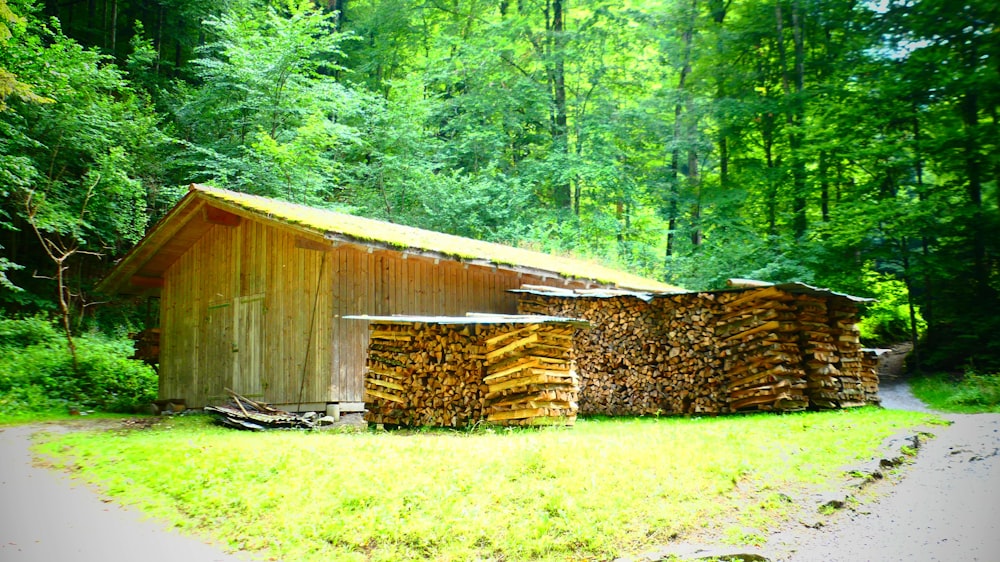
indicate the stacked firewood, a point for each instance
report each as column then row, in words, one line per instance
column 762, row 348
column 453, row 374
column 869, row 375
column 424, row 374
column 758, row 336
column 843, row 316
column 819, row 352
column 147, row 345
column 690, row 377
column 617, row 357
column 641, row 356
column 530, row 374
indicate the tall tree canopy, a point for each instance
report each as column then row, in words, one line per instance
column 829, row 141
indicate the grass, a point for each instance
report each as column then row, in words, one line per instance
column 971, row 393
column 597, row 491
column 31, row 416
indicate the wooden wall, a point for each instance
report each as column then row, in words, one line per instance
column 238, row 308
column 237, row 312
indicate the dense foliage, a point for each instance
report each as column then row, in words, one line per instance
column 967, row 393
column 37, row 371
column 846, row 144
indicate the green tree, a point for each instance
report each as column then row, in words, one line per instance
column 70, row 168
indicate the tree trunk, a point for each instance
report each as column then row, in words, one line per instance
column 908, row 280
column 563, row 195
column 767, row 139
column 918, row 165
column 114, row 25
column 693, row 178
column 675, row 153
column 159, row 39
column 694, row 183
column 794, row 112
column 65, row 311
column 341, row 7
column 824, row 185
column 974, row 187
column 718, row 9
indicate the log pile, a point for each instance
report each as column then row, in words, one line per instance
column 759, row 339
column 458, row 372
column 758, row 348
column 690, row 368
column 244, row 413
column 869, row 375
column 843, row 319
column 642, row 356
column 424, row 374
column 828, row 386
column 615, row 377
column 530, row 375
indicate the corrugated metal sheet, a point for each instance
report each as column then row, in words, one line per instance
column 472, row 319
column 796, row 288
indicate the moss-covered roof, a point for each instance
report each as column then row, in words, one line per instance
column 407, row 238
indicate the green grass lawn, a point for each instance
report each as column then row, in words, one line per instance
column 602, row 489
column 24, row 417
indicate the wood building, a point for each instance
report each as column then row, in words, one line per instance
column 253, row 293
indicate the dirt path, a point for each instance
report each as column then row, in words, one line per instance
column 943, row 507
column 45, row 516
column 946, row 506
column 893, row 385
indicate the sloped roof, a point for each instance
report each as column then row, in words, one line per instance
column 176, row 232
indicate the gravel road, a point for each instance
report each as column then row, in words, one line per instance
column 46, row 516
column 943, row 507
column 946, row 506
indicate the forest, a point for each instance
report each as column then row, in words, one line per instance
column 847, row 144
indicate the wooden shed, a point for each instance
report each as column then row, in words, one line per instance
column 253, row 292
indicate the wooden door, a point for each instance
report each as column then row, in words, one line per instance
column 248, row 365
column 217, row 354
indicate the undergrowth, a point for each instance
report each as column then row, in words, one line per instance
column 38, row 377
column 970, row 392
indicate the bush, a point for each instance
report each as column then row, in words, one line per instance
column 40, row 375
column 978, row 391
column 23, row 332
column 969, row 393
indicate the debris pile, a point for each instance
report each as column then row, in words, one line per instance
column 244, row 413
